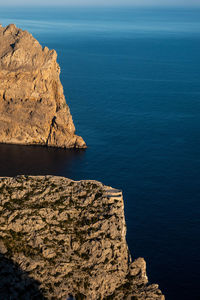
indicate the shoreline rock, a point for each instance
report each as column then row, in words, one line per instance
column 33, row 109
column 69, row 237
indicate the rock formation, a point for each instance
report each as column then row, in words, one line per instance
column 33, row 109
column 66, row 239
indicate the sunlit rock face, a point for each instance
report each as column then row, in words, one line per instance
column 33, row 109
column 66, row 239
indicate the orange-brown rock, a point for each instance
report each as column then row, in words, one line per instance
column 33, row 109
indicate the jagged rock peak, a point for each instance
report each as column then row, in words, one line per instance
column 66, row 238
column 33, row 109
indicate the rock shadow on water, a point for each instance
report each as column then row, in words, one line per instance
column 36, row 160
column 16, row 283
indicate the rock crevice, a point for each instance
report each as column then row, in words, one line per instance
column 53, row 122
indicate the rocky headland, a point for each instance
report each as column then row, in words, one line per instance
column 33, row 109
column 61, row 238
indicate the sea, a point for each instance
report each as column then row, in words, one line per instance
column 131, row 78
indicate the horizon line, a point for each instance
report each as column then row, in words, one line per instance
column 101, row 5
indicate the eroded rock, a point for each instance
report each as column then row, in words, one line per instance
column 72, row 240
column 33, row 109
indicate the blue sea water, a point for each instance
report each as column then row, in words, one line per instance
column 132, row 80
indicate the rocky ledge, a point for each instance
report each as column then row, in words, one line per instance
column 33, row 109
column 62, row 239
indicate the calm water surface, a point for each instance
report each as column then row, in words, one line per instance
column 132, row 81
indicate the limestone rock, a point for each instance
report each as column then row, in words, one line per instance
column 72, row 241
column 33, row 109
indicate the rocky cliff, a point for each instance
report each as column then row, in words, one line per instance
column 60, row 238
column 33, row 109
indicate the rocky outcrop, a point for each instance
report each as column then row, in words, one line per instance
column 69, row 239
column 33, row 109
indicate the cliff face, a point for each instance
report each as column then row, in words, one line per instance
column 67, row 238
column 33, row 109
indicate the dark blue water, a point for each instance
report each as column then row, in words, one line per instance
column 132, row 81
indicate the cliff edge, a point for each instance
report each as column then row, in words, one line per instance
column 33, row 109
column 61, row 238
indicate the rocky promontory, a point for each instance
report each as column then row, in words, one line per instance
column 63, row 239
column 33, row 109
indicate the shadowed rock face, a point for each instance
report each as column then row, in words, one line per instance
column 70, row 238
column 15, row 283
column 33, row 109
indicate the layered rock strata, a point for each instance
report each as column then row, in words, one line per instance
column 33, row 109
column 66, row 239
